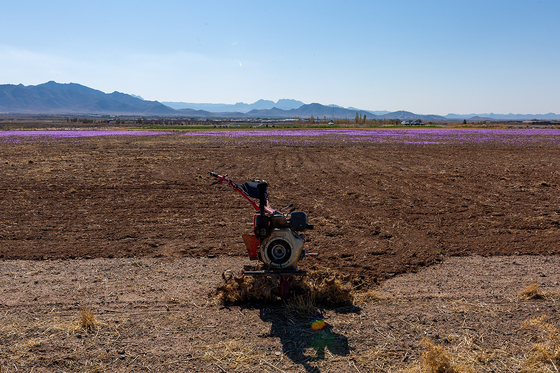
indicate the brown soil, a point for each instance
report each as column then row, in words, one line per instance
column 156, row 315
column 378, row 211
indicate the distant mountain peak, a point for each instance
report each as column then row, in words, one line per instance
column 284, row 104
column 72, row 98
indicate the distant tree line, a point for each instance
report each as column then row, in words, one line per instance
column 81, row 120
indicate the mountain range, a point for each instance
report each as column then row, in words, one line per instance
column 72, row 98
column 241, row 107
column 510, row 116
column 76, row 99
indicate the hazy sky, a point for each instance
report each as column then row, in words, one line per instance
column 428, row 57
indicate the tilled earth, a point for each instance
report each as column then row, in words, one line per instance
column 379, row 211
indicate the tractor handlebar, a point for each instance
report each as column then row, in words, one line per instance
column 224, row 178
column 221, row 178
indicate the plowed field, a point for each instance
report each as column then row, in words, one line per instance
column 382, row 204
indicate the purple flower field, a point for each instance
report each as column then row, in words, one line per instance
column 416, row 136
column 299, row 137
column 56, row 136
column 77, row 133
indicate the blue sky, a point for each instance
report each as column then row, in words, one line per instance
column 428, row 57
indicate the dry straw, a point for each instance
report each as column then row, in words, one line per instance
column 532, row 292
column 547, row 351
column 239, row 289
column 88, row 322
column 329, row 288
column 325, row 287
column 234, row 355
column 301, row 305
column 436, row 360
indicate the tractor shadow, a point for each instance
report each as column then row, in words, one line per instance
column 299, row 322
column 305, row 339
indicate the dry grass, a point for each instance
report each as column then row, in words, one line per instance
column 300, row 305
column 233, row 355
column 88, row 322
column 317, row 288
column 364, row 297
column 468, row 334
column 329, row 288
column 532, row 292
column 547, row 351
column 436, row 360
column 240, row 289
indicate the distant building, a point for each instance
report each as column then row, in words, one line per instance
column 416, row 122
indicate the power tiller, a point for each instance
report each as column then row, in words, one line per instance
column 277, row 239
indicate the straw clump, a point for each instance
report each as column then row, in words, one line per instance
column 436, row 360
column 325, row 287
column 532, row 292
column 547, row 351
column 330, row 288
column 88, row 322
column 239, row 289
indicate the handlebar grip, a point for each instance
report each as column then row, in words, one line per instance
column 214, row 174
column 262, row 186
